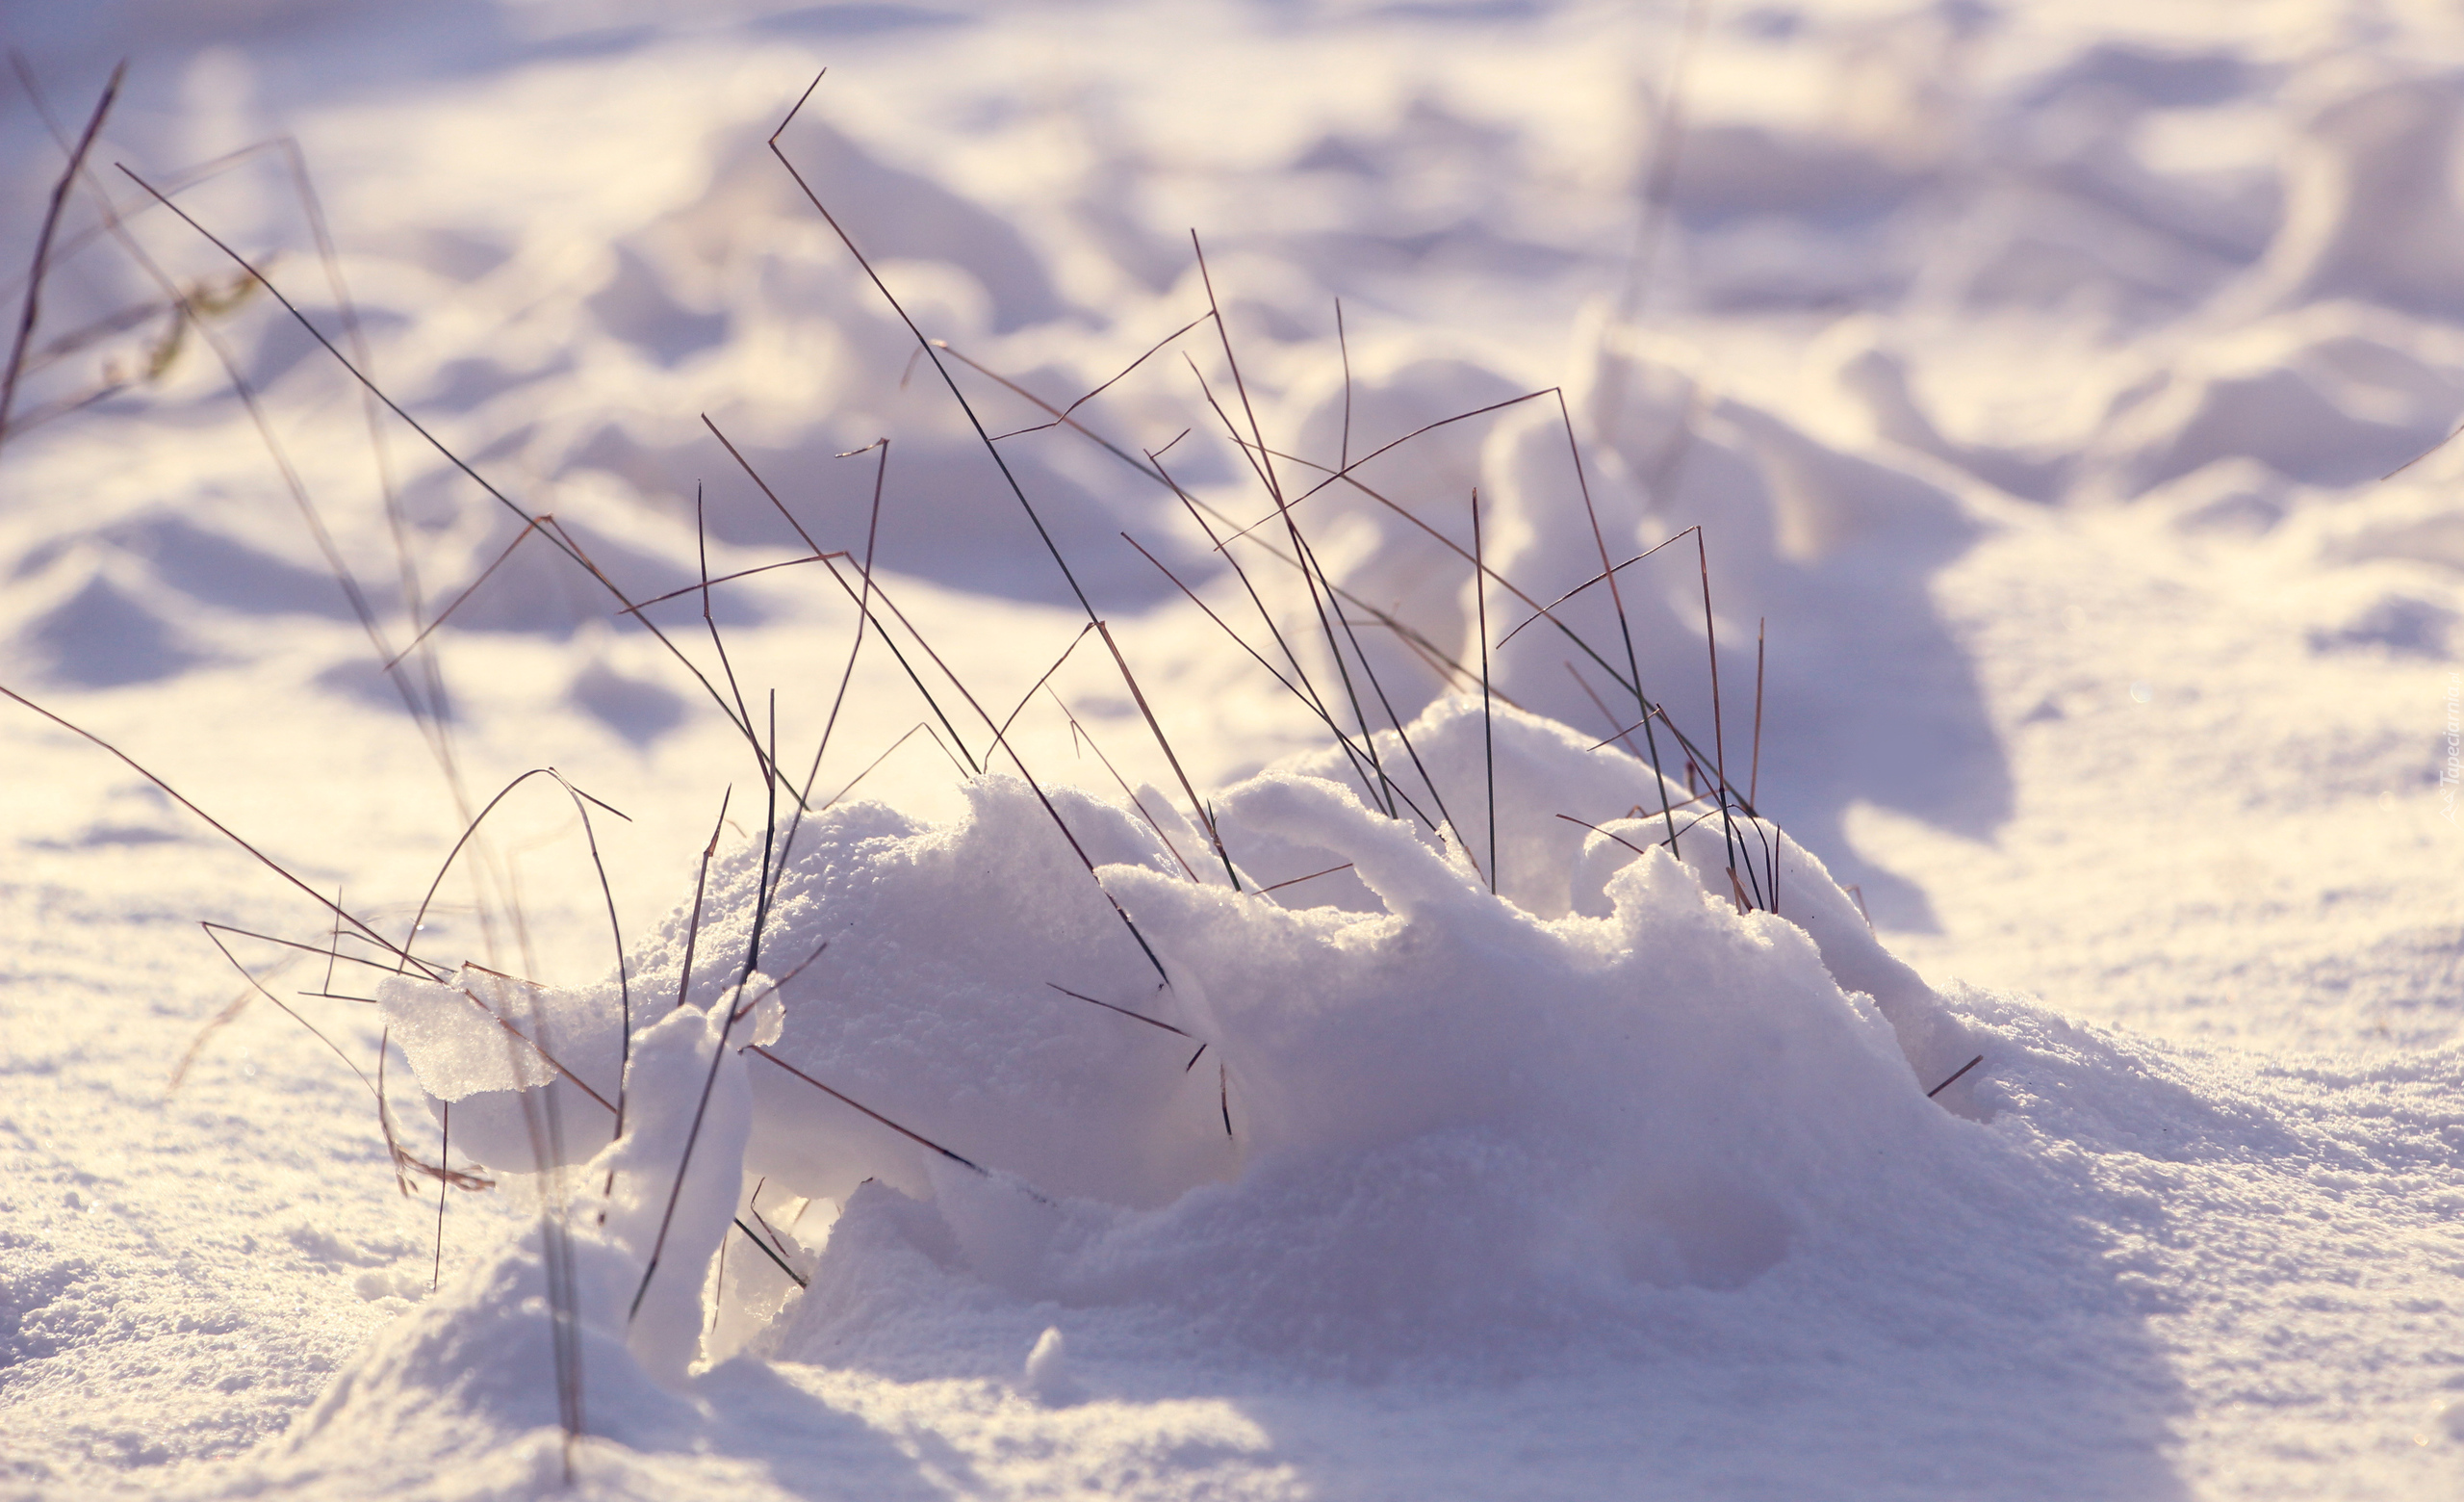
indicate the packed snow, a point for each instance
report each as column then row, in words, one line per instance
column 1278, row 982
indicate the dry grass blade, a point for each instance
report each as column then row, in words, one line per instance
column 175, row 180
column 64, row 406
column 1057, row 416
column 844, row 1100
column 855, row 647
column 884, row 757
column 1955, row 1077
column 1063, row 416
column 744, row 1009
column 1028, row 777
column 267, row 862
column 85, row 336
column 1262, row 464
column 1079, row 734
column 221, row 1019
column 616, row 935
column 1508, row 585
column 1377, row 687
column 1309, row 699
column 1607, row 574
column 1652, row 712
column 2439, row 447
column 693, row 925
column 1024, row 699
column 767, row 1249
column 864, row 601
column 1306, row 690
column 563, row 540
column 753, row 1207
column 1343, row 349
column 926, row 345
column 542, row 1120
column 725, row 578
column 1297, row 880
column 192, row 308
column 1719, row 734
column 304, row 188
column 1622, row 735
column 727, row 1029
column 774, row 857
column 1763, row 831
column 779, row 506
column 1346, row 473
column 545, row 1057
column 1606, row 834
column 1488, row 725
column 1617, row 603
column 30, row 309
column 445, row 1157
column 1624, row 738
column 709, row 623
column 1754, row 774
column 424, row 702
column 766, row 890
column 1152, row 468
column 1205, row 820
column 524, row 981
column 1138, row 1017
column 319, row 950
column 1451, row 675
column 375, row 1087
column 932, row 351
column 334, row 941
column 471, row 831
column 1261, row 460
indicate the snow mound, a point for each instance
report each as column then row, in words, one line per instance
column 1357, row 1126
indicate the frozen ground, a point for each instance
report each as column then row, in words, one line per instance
column 2033, row 370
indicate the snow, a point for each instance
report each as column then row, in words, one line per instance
column 1047, row 1371
column 2060, row 391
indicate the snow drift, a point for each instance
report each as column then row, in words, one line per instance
column 1363, row 1115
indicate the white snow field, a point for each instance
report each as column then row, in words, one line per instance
column 1298, row 1046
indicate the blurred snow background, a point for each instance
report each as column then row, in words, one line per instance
column 2037, row 373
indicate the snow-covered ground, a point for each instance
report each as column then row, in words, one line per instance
column 2061, row 389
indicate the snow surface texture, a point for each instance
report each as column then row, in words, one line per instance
column 2036, row 373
